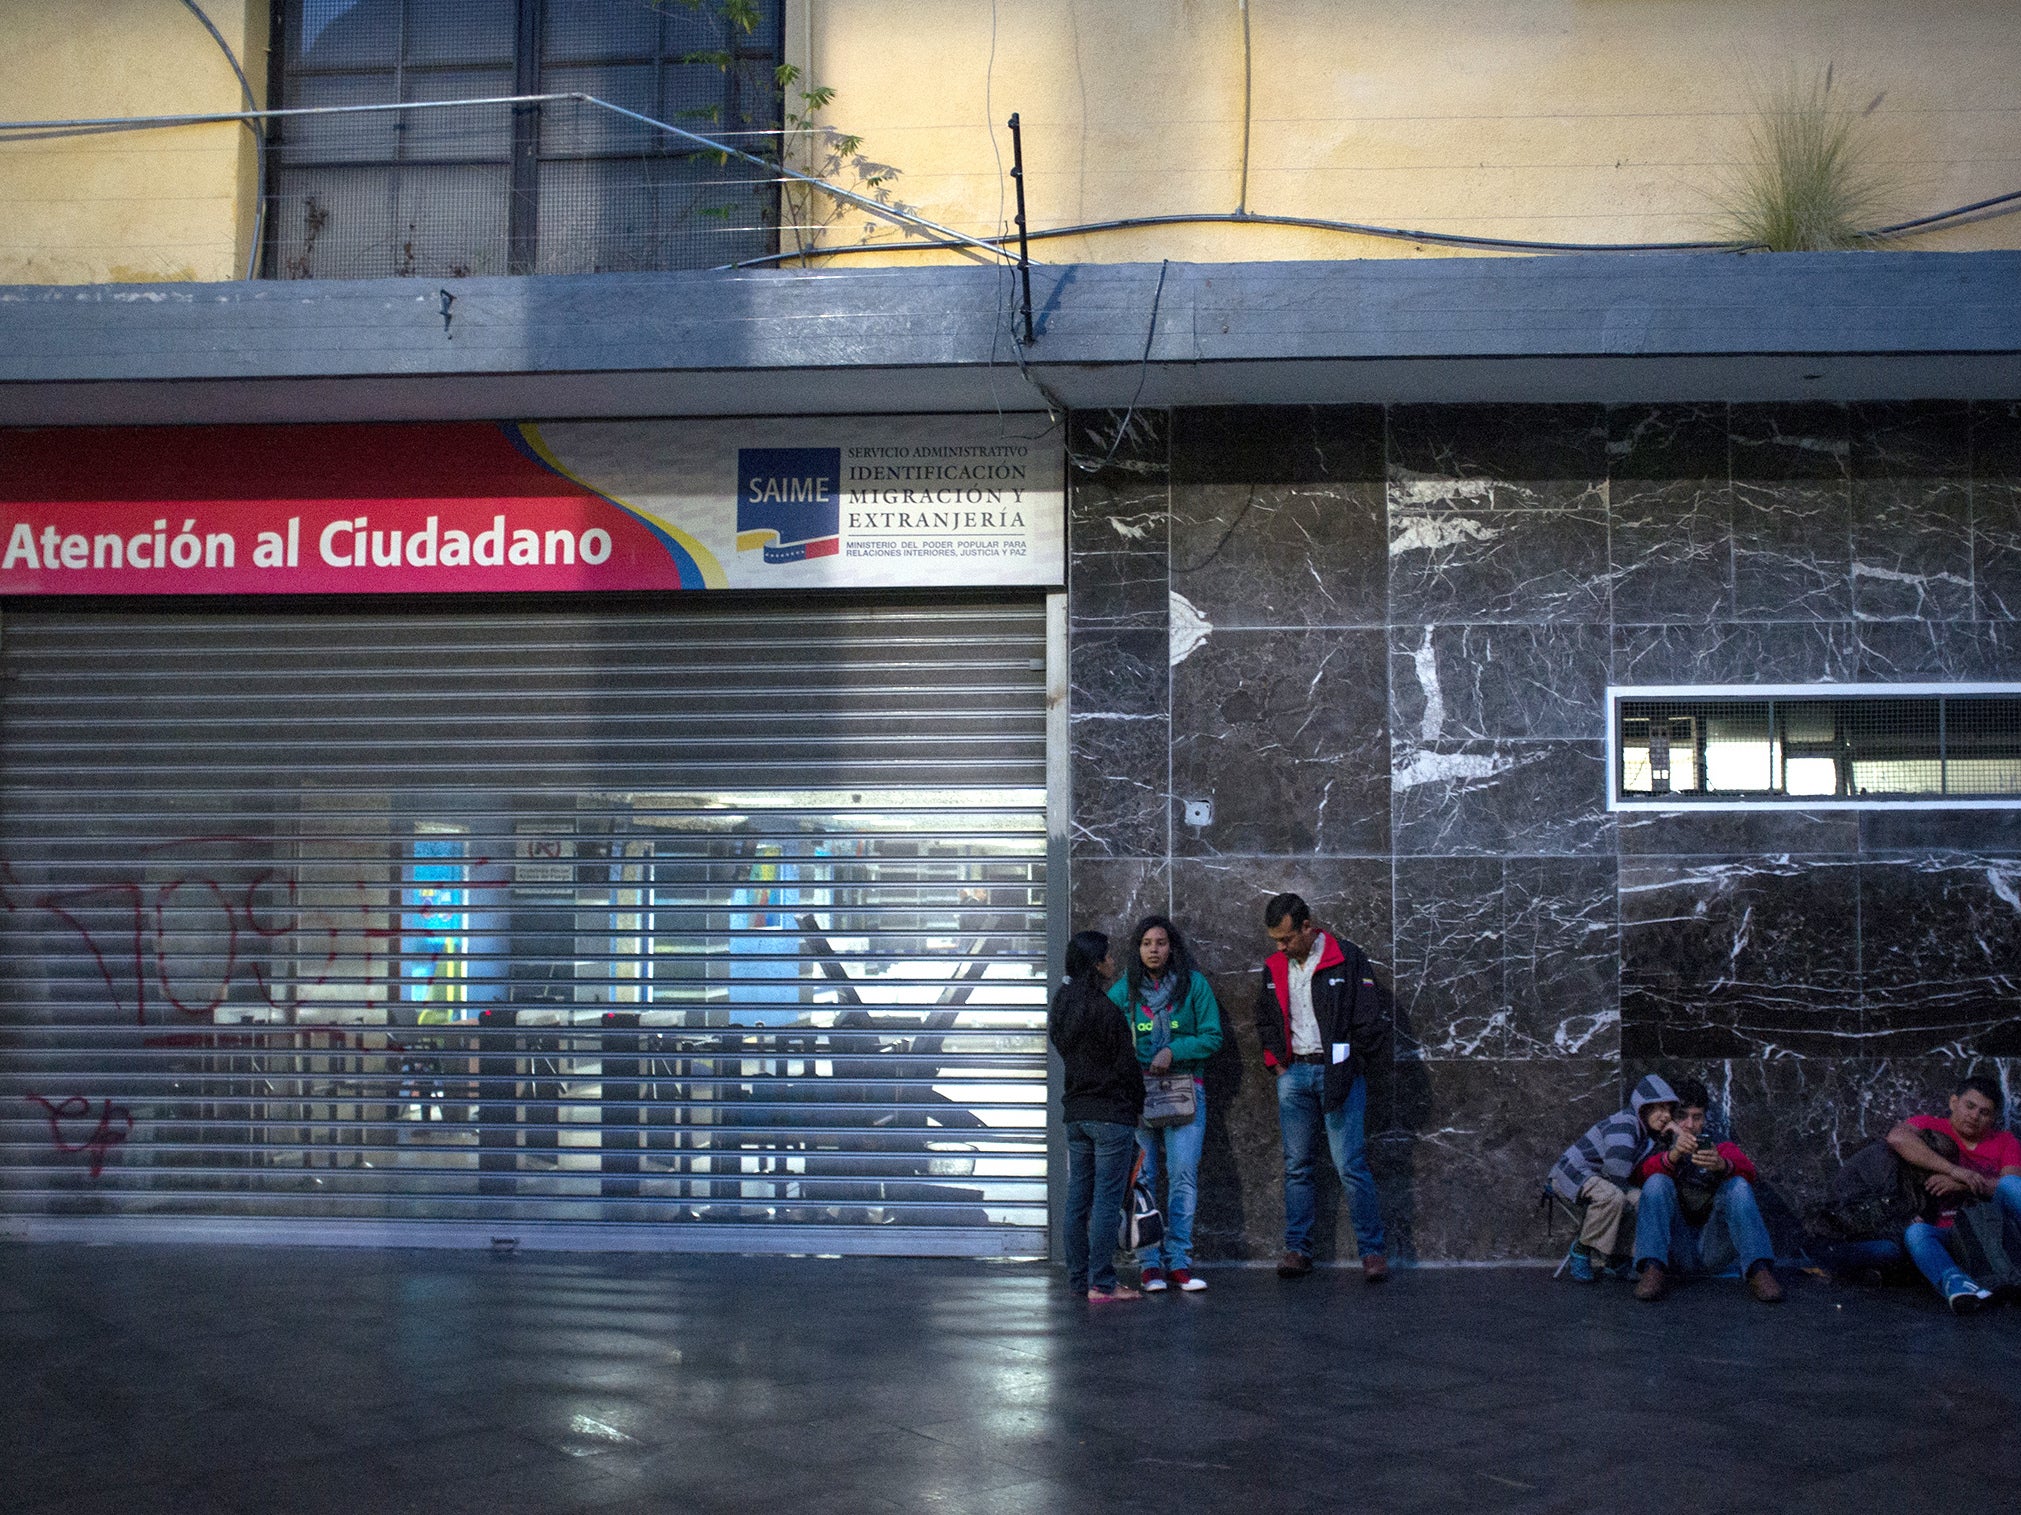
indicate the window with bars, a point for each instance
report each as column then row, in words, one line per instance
column 1957, row 745
column 557, row 187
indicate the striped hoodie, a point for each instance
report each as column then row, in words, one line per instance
column 1611, row 1148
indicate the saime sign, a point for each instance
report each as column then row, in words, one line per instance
column 465, row 507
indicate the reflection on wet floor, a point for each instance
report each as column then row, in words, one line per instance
column 185, row 1379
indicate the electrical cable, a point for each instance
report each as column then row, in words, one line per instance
column 259, row 135
column 1143, row 373
column 945, row 238
column 1446, row 239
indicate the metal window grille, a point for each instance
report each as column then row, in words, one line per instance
column 558, row 187
column 725, row 925
column 1890, row 745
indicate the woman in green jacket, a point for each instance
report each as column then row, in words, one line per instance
column 1178, row 1027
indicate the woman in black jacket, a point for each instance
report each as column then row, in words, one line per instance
column 1104, row 1099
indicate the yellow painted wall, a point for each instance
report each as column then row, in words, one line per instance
column 1561, row 120
column 1574, row 120
column 159, row 205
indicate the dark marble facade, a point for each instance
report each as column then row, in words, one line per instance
column 1378, row 639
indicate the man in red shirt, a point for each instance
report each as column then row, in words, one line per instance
column 1988, row 1168
column 1698, row 1212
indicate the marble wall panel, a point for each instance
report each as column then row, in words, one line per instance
column 1459, row 798
column 1509, row 457
column 1287, row 733
column 1805, row 652
column 1940, row 651
column 1268, row 555
column 1792, row 513
column 1925, row 830
column 1562, row 963
column 1461, row 1165
column 1449, row 949
column 1738, row 957
column 1118, row 532
column 1996, row 510
column 1278, row 444
column 1940, row 953
column 1507, row 958
column 1451, row 561
column 1497, row 513
column 1911, row 511
column 1670, row 509
column 1674, row 833
column 1483, row 683
column 1120, row 769
column 1113, row 894
column 1115, row 672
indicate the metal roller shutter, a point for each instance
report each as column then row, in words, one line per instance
column 703, row 928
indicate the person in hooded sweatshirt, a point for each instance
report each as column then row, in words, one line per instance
column 1104, row 1099
column 1595, row 1173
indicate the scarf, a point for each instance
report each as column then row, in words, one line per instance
column 1156, row 995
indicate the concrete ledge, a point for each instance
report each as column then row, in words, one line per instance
column 854, row 340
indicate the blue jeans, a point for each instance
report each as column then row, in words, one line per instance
column 1099, row 1154
column 1930, row 1245
column 1300, row 1088
column 1180, row 1162
column 1734, row 1233
column 1855, row 1256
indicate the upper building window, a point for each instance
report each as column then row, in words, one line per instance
column 561, row 187
column 1809, row 746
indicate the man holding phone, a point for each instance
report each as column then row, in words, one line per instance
column 1321, row 1018
column 1698, row 1211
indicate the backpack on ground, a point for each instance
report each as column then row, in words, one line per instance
column 1988, row 1247
column 1875, row 1195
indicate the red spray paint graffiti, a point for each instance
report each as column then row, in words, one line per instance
column 115, row 1124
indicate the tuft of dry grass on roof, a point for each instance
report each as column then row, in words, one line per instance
column 1811, row 178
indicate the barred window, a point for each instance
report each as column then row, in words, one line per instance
column 1820, row 745
column 560, row 187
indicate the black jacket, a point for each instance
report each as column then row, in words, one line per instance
column 1347, row 1001
column 1103, row 1079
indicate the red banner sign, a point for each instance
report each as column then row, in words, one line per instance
column 315, row 510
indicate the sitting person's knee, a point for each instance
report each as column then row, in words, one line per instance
column 1659, row 1183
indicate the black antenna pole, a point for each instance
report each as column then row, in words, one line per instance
column 1024, row 249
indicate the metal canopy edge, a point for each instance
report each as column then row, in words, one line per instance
column 1602, row 327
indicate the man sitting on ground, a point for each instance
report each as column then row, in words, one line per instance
column 1988, row 1168
column 1698, row 1212
column 1595, row 1170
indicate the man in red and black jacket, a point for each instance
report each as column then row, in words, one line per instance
column 1324, row 1023
column 1698, row 1211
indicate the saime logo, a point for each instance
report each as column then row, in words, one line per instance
column 789, row 501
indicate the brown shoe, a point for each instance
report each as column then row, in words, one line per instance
column 1767, row 1288
column 1652, row 1285
column 1374, row 1268
column 1293, row 1265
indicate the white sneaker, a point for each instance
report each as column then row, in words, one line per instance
column 1187, row 1281
column 1154, row 1281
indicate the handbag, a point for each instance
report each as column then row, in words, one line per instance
column 1169, row 1100
column 1143, row 1222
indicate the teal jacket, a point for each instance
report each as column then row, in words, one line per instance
column 1196, row 1025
